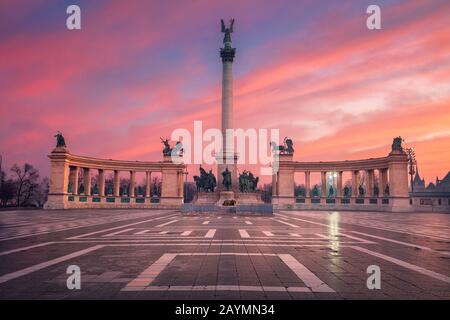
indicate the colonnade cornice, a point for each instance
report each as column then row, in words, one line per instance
column 112, row 164
column 346, row 165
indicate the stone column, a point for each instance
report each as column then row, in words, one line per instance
column 324, row 184
column 355, row 183
column 59, row 179
column 74, row 179
column 131, row 192
column 339, row 184
column 170, row 187
column 398, row 181
column 228, row 156
column 369, row 183
column 383, row 173
column 148, row 183
column 101, row 182
column 87, row 181
column 116, row 183
column 308, row 184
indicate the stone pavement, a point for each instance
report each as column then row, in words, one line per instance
column 144, row 254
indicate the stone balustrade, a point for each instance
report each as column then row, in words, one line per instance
column 65, row 191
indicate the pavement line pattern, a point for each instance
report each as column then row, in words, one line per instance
column 405, row 264
column 23, row 272
column 312, row 222
column 64, row 229
column 145, row 279
column 379, row 228
column 401, row 242
column 333, row 237
column 186, row 233
column 224, row 288
column 3, row 253
column 268, row 233
column 167, row 223
column 206, row 222
column 286, row 223
column 210, row 233
column 118, row 232
column 356, row 238
column 164, row 232
column 142, row 232
column 119, row 227
column 150, row 274
column 244, row 233
column 248, row 222
column 309, row 278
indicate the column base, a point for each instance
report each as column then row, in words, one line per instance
column 400, row 204
column 171, row 200
column 283, row 200
column 56, row 201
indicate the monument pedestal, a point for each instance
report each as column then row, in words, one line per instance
column 224, row 196
column 249, row 198
column 206, row 198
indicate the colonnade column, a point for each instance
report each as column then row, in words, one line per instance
column 324, row 184
column 148, row 183
column 87, row 181
column 355, row 183
column 369, row 183
column 339, row 184
column 308, row 184
column 131, row 192
column 383, row 180
column 101, row 182
column 74, row 179
column 116, row 183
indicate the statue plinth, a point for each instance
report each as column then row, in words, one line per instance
column 60, row 150
column 224, row 196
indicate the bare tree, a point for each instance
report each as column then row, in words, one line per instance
column 7, row 191
column 26, row 181
column 41, row 193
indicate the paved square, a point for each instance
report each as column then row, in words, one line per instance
column 143, row 254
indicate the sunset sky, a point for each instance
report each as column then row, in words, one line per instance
column 140, row 69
